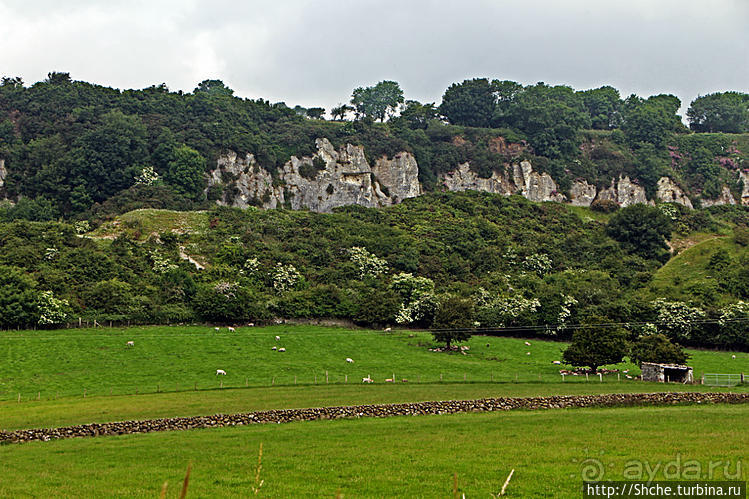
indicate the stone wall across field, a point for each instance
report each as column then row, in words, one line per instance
column 372, row 411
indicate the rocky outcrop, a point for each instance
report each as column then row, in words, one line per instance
column 582, row 193
column 3, row 173
column 625, row 192
column 725, row 197
column 328, row 179
column 524, row 181
column 669, row 192
column 744, row 178
column 374, row 411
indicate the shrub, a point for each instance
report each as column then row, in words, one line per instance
column 604, row 205
column 657, row 348
column 595, row 344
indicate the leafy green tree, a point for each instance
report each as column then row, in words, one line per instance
column 416, row 115
column 551, row 117
column 18, row 298
column 453, row 320
column 471, row 103
column 652, row 120
column 642, row 230
column 214, row 87
column 657, row 348
column 595, row 344
column 187, row 172
column 315, row 113
column 726, row 112
column 340, row 111
column 604, row 107
column 379, row 101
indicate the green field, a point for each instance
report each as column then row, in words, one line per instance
column 53, row 364
column 403, row 456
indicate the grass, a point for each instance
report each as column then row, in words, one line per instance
column 70, row 411
column 689, row 269
column 52, row 364
column 587, row 215
column 403, row 456
column 148, row 221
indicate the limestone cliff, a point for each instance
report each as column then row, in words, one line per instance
column 3, row 173
column 328, row 179
column 336, row 177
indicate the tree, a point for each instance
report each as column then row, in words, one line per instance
column 417, row 115
column 453, row 320
column 596, row 344
column 604, row 107
column 187, row 172
column 642, row 230
column 379, row 101
column 551, row 118
column 652, row 120
column 340, row 111
column 315, row 113
column 213, row 87
column 726, row 112
column 471, row 103
column 657, row 348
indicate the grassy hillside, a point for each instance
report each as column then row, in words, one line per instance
column 690, row 275
column 550, row 451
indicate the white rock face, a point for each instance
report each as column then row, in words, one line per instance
column 582, row 193
column 345, row 178
column 529, row 184
column 744, row 177
column 669, row 192
column 625, row 192
column 725, row 198
column 3, row 172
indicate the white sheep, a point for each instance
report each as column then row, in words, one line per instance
column 367, row 380
column 130, row 343
column 273, row 348
column 349, row 360
column 251, row 324
column 527, row 343
column 281, row 349
column 555, row 362
column 389, row 380
column 527, row 353
column 278, row 338
column 733, row 356
column 221, row 372
column 231, row 329
column 387, row 329
column 217, row 329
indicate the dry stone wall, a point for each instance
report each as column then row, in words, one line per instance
column 372, row 411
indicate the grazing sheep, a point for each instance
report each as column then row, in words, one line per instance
column 389, row 380
column 388, row 329
column 278, row 338
column 281, row 349
column 349, row 360
column 251, row 324
column 733, row 356
column 367, row 380
column 527, row 353
column 221, row 372
column 130, row 343
column 555, row 362
column 216, row 329
column 273, row 348
column 527, row 343
column 231, row 329
column 628, row 376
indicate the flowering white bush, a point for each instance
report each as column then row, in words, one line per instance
column 738, row 310
column 418, row 297
column 503, row 310
column 82, row 226
column 565, row 311
column 676, row 318
column 51, row 309
column 50, row 253
column 284, row 277
column 227, row 289
column 147, row 176
column 538, row 263
column 161, row 264
column 250, row 267
column 369, row 265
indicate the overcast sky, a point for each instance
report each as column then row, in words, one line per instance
column 314, row 53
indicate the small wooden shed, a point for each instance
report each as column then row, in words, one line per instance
column 666, row 373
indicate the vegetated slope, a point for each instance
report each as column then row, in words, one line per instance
column 699, row 272
column 521, row 264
